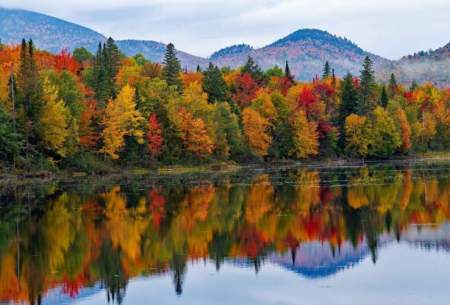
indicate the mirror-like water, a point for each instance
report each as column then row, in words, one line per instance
column 370, row 235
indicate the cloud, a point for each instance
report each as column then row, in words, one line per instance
column 390, row 28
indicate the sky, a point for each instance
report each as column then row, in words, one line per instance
column 390, row 28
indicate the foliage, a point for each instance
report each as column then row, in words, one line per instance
column 54, row 120
column 256, row 130
column 121, row 119
column 58, row 109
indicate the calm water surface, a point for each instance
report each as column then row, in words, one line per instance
column 351, row 235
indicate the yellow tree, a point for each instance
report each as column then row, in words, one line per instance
column 256, row 130
column 193, row 133
column 356, row 142
column 121, row 119
column 54, row 119
column 305, row 136
column 405, row 129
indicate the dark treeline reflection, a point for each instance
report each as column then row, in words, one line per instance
column 76, row 236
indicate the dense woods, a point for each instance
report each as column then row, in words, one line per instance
column 88, row 111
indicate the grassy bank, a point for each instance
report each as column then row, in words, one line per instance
column 9, row 176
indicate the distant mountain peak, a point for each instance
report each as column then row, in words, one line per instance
column 232, row 50
column 316, row 35
column 49, row 33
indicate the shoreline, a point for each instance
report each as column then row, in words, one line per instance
column 24, row 178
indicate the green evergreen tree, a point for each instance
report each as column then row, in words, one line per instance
column 413, row 85
column 384, row 98
column 367, row 101
column 100, row 77
column 252, row 68
column 392, row 85
column 106, row 66
column 214, row 84
column 10, row 141
column 287, row 73
column 326, row 70
column 349, row 103
column 172, row 68
column 28, row 85
column 199, row 69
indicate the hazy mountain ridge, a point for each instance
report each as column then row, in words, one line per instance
column 154, row 51
column 305, row 49
column 48, row 33
column 432, row 66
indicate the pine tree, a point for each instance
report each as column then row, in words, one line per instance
column 214, row 84
column 413, row 85
column 349, row 102
column 106, row 67
column 366, row 101
column 384, row 98
column 287, row 73
column 252, row 68
column 326, row 70
column 28, row 84
column 199, row 69
column 172, row 68
column 113, row 58
column 392, row 85
column 349, row 98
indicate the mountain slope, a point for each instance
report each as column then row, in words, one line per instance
column 432, row 66
column 306, row 50
column 154, row 51
column 53, row 34
column 47, row 32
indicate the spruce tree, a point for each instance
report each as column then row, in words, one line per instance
column 172, row 68
column 349, row 103
column 349, row 99
column 252, row 68
column 326, row 70
column 366, row 101
column 392, row 85
column 28, row 83
column 384, row 98
column 198, row 68
column 106, row 67
column 112, row 57
column 214, row 84
column 413, row 85
column 100, row 82
column 287, row 73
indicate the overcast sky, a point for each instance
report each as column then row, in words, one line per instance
column 390, row 28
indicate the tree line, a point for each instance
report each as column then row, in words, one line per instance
column 83, row 110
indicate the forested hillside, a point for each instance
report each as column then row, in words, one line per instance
column 84, row 110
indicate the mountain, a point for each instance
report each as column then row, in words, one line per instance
column 154, row 51
column 53, row 34
column 237, row 49
column 306, row 50
column 432, row 66
column 48, row 33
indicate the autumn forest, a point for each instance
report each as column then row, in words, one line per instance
column 89, row 112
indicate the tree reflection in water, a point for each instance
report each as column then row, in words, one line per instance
column 80, row 235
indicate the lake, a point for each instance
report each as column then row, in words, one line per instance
column 374, row 234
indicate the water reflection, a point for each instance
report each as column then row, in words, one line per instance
column 313, row 222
